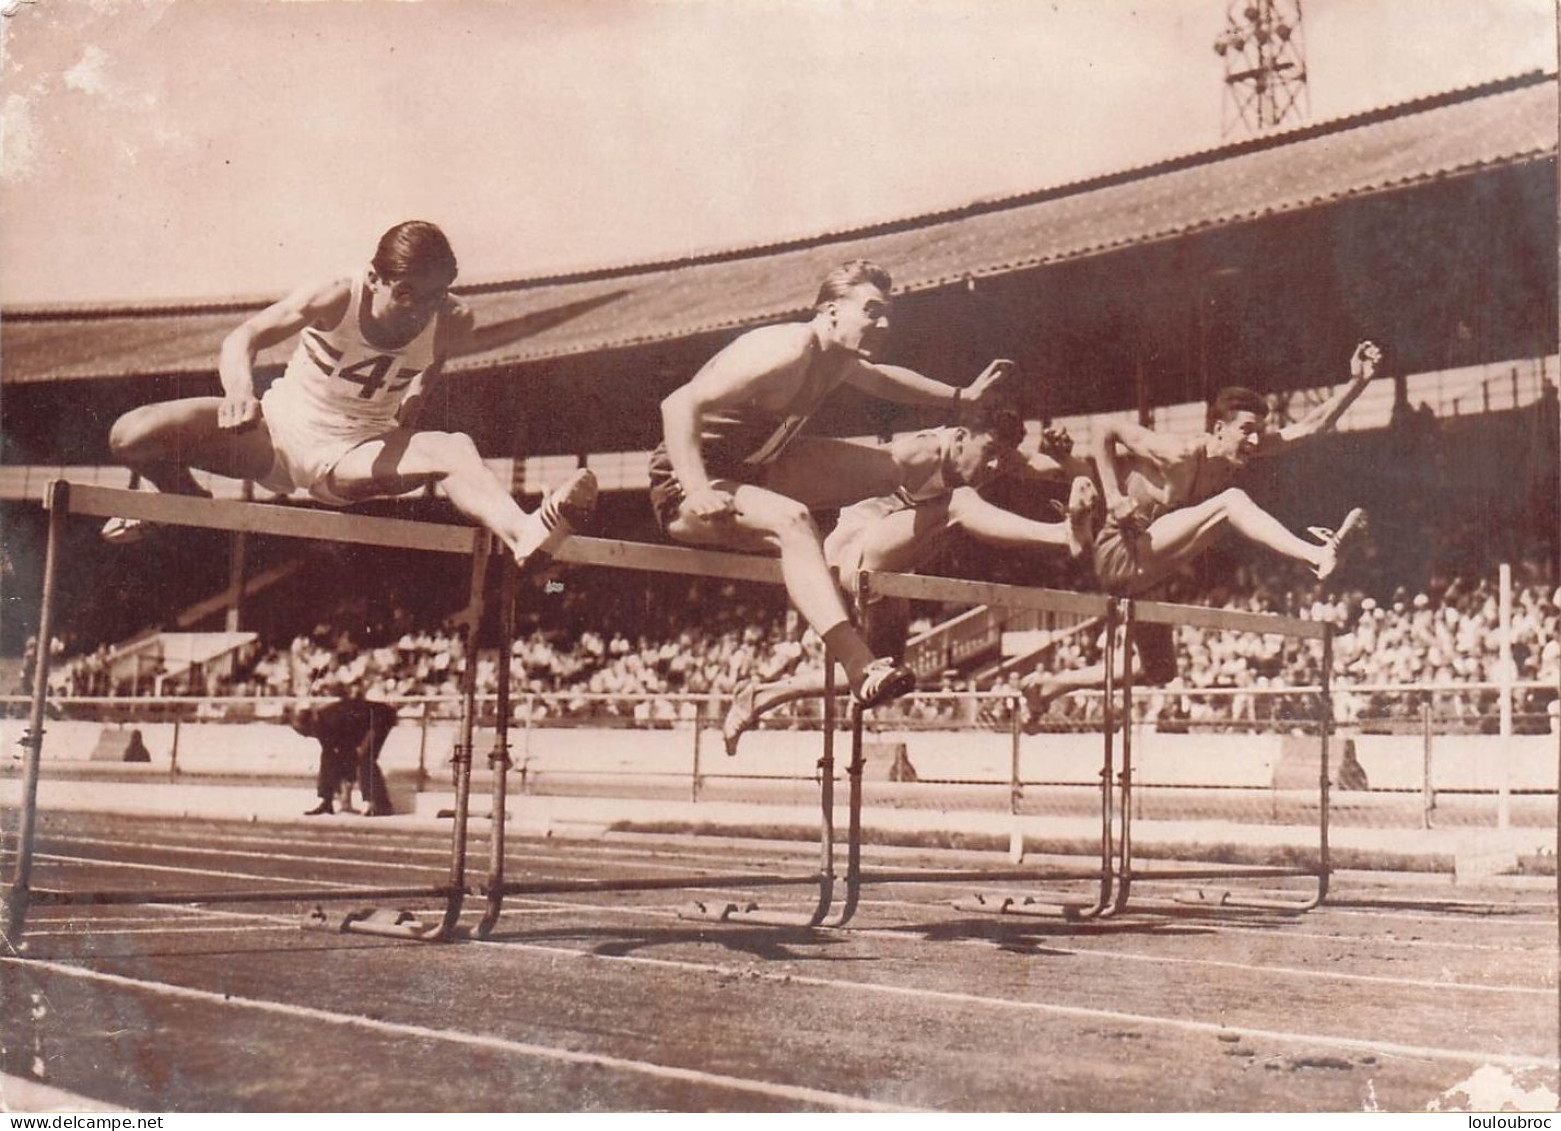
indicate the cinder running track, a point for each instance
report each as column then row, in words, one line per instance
column 1390, row 997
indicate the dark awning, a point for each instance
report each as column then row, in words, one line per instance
column 1458, row 134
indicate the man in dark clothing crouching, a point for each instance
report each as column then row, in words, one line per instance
column 351, row 732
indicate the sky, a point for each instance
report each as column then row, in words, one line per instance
column 186, row 149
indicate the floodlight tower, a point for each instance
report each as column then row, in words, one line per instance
column 1265, row 65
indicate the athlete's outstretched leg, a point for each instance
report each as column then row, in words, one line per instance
column 1181, row 534
column 162, row 442
column 1153, row 656
column 403, row 460
column 868, row 539
column 762, row 518
column 998, row 527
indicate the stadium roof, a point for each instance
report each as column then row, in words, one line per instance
column 1511, row 122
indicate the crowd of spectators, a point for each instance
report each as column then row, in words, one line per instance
column 704, row 640
column 1392, row 657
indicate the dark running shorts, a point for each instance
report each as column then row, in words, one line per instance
column 1117, row 565
column 1156, row 647
column 667, row 494
column 1121, row 574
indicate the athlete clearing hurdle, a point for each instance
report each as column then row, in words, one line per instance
column 1168, row 497
column 733, row 472
column 944, row 470
column 340, row 423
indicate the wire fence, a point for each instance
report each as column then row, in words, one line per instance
column 1437, row 755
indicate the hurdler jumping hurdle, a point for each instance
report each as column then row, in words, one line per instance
column 1112, row 876
column 65, row 499
column 1121, row 871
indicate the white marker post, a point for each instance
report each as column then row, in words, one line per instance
column 1504, row 678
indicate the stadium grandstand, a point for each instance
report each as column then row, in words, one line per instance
column 1427, row 226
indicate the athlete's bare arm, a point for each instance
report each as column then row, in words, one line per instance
column 1053, row 461
column 1160, row 451
column 756, row 369
column 454, row 335
column 320, row 304
column 1364, row 364
column 906, row 386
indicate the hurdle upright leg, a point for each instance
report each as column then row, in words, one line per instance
column 498, row 760
column 461, row 757
column 854, row 822
column 1284, row 899
column 57, row 499
column 1325, row 727
column 1124, row 869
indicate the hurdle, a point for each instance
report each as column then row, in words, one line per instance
column 1118, row 868
column 64, row 499
column 1045, row 903
column 825, row 912
column 1227, row 620
column 652, row 558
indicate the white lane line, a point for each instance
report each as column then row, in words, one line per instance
column 1355, row 1044
column 671, row 912
column 311, row 882
column 209, row 929
column 172, row 913
column 139, row 867
column 1460, row 918
column 1285, row 971
column 1375, row 940
column 561, row 861
column 796, row 1094
column 1389, row 1048
column 19, row 1095
column 196, row 850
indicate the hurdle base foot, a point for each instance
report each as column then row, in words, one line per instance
column 387, row 922
column 1037, row 905
column 1241, row 901
column 715, row 912
column 746, row 912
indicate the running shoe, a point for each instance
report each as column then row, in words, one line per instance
column 125, row 531
column 883, row 680
column 1332, row 540
column 1038, row 695
column 551, row 524
column 740, row 716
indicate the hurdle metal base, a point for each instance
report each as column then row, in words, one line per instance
column 1038, row 905
column 1256, row 901
column 395, row 923
column 748, row 913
